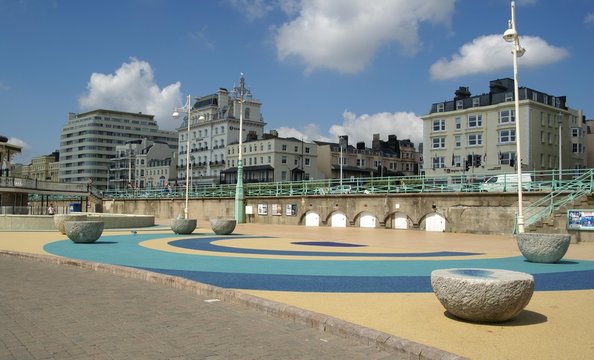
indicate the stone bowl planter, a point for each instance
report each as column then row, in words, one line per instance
column 183, row 226
column 223, row 226
column 60, row 218
column 83, row 232
column 543, row 248
column 482, row 295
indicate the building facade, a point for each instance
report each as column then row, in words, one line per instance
column 214, row 124
column 385, row 158
column 42, row 168
column 88, row 142
column 143, row 164
column 477, row 134
column 272, row 158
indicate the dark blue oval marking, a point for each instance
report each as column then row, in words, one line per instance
column 205, row 244
column 326, row 243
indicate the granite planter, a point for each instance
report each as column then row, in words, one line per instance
column 223, row 226
column 543, row 248
column 83, row 232
column 60, row 218
column 183, row 226
column 482, row 295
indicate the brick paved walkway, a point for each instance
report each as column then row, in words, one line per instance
column 50, row 311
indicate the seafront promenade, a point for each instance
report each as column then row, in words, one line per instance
column 376, row 279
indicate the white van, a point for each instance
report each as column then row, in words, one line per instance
column 506, row 182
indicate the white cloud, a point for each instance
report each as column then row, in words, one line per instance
column 132, row 88
column 344, row 35
column 25, row 149
column 589, row 19
column 403, row 125
column 489, row 53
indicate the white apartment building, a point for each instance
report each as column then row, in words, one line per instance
column 214, row 124
column 272, row 158
column 477, row 134
column 88, row 142
column 142, row 164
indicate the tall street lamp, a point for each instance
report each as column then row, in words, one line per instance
column 188, row 108
column 239, row 93
column 560, row 123
column 511, row 35
column 341, row 143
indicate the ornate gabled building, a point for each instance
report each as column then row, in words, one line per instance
column 214, row 124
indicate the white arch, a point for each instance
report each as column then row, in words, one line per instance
column 338, row 219
column 435, row 222
column 312, row 219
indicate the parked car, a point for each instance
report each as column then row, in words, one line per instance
column 506, row 182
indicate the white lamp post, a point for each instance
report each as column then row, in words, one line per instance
column 175, row 115
column 560, row 123
column 511, row 35
column 340, row 142
column 240, row 92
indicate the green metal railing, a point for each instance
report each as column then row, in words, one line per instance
column 564, row 192
column 541, row 181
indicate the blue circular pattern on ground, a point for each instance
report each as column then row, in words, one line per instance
column 206, row 244
column 345, row 275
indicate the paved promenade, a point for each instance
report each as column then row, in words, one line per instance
column 345, row 280
column 51, row 311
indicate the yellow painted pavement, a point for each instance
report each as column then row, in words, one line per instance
column 554, row 325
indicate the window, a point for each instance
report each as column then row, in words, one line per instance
column 476, row 102
column 549, row 120
column 475, row 121
column 283, row 175
column 307, row 149
column 296, row 148
column 438, row 143
column 284, row 160
column 440, row 107
column 458, row 122
column 509, row 96
column 269, row 146
column 247, row 113
column 577, row 148
column 534, row 96
column 507, row 116
column 457, row 141
column 506, row 136
column 438, row 162
column 549, row 138
column 457, row 160
column 439, row 125
column 269, row 159
column 506, row 158
column 306, row 161
column 475, row 139
column 459, row 104
column 284, row 147
column 575, row 132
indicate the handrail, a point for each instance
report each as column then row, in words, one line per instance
column 566, row 192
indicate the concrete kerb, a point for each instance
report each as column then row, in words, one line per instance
column 390, row 343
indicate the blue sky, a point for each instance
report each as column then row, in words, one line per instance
column 322, row 68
